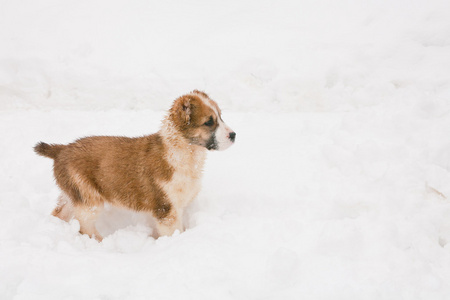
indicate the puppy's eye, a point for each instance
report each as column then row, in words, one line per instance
column 210, row 122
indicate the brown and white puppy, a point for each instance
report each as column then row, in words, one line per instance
column 158, row 173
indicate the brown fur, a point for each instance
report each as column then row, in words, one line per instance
column 136, row 173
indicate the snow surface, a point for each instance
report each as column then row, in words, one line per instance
column 338, row 186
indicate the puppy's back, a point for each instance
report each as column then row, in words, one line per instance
column 122, row 170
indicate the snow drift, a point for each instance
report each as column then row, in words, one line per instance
column 265, row 55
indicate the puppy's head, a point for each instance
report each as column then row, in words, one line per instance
column 199, row 120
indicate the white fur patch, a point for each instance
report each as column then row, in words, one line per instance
column 223, row 136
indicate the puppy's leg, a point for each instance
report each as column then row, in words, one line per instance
column 64, row 208
column 87, row 217
column 167, row 224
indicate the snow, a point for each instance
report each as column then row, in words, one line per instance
column 338, row 185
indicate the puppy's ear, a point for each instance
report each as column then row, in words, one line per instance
column 186, row 110
column 182, row 110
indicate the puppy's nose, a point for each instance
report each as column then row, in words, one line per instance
column 232, row 136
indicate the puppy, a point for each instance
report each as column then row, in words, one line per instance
column 159, row 173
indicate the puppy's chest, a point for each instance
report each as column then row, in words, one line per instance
column 183, row 187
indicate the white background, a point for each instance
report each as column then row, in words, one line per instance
column 338, row 185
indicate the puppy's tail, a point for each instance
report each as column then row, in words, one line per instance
column 47, row 150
